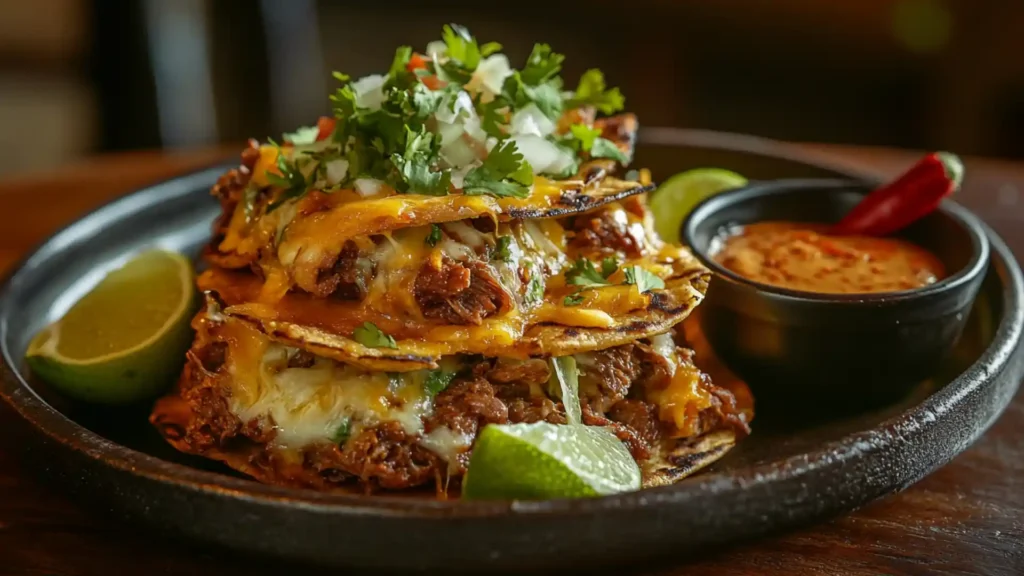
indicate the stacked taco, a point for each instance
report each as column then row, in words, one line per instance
column 384, row 285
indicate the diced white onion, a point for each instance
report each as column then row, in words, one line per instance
column 369, row 91
column 530, row 120
column 462, row 107
column 459, row 174
column 368, row 186
column 337, row 169
column 543, row 156
column 489, row 77
column 437, row 48
column 459, row 153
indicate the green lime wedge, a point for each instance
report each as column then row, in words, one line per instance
column 678, row 195
column 542, row 460
column 126, row 339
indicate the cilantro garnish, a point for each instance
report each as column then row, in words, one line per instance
column 437, row 381
column 609, row 266
column 391, row 128
column 591, row 91
column 398, row 75
column 435, row 235
column 342, row 432
column 501, row 249
column 574, row 299
column 291, row 180
column 643, row 279
column 415, row 167
column 503, row 173
column 604, row 148
column 583, row 273
column 370, row 336
column 534, row 286
column 582, row 137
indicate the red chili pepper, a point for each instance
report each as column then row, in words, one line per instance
column 908, row 198
column 325, row 125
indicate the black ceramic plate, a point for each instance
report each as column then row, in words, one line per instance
column 783, row 475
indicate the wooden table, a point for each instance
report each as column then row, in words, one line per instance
column 966, row 518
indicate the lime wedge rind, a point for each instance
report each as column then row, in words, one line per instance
column 135, row 371
column 543, row 460
column 678, row 195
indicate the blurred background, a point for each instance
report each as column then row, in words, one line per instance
column 80, row 77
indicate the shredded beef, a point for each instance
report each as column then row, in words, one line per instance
column 343, row 278
column 466, row 405
column 637, row 446
column 602, row 233
column 639, row 416
column 528, row 372
column 459, row 293
column 212, row 423
column 607, row 378
column 383, row 455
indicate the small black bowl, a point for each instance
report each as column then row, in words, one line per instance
column 838, row 353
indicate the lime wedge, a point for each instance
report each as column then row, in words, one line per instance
column 542, row 460
column 126, row 339
column 675, row 197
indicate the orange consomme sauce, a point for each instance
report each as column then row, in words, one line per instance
column 803, row 256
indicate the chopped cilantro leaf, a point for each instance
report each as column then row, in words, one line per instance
column 291, row 180
column 414, row 165
column 541, row 65
column 437, row 381
column 609, row 266
column 583, row 273
column 489, row 48
column 582, row 137
column 574, row 299
column 604, row 148
column 463, row 54
column 419, row 178
column 435, row 235
column 644, row 279
column 501, row 249
column 492, row 116
column 591, row 92
column 342, row 432
column 503, row 173
column 370, row 336
column 534, row 286
column 398, row 75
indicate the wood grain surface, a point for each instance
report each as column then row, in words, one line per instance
column 966, row 518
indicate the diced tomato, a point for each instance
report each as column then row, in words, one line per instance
column 326, row 126
column 416, row 62
column 419, row 62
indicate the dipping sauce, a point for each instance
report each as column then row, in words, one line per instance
column 802, row 256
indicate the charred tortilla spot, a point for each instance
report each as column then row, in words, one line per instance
column 592, row 202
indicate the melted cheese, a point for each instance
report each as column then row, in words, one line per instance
column 308, row 405
column 447, row 443
column 681, row 402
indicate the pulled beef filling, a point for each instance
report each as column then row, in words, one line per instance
column 343, row 279
column 459, row 292
column 604, row 234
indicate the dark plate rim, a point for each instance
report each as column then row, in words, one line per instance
column 58, row 428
